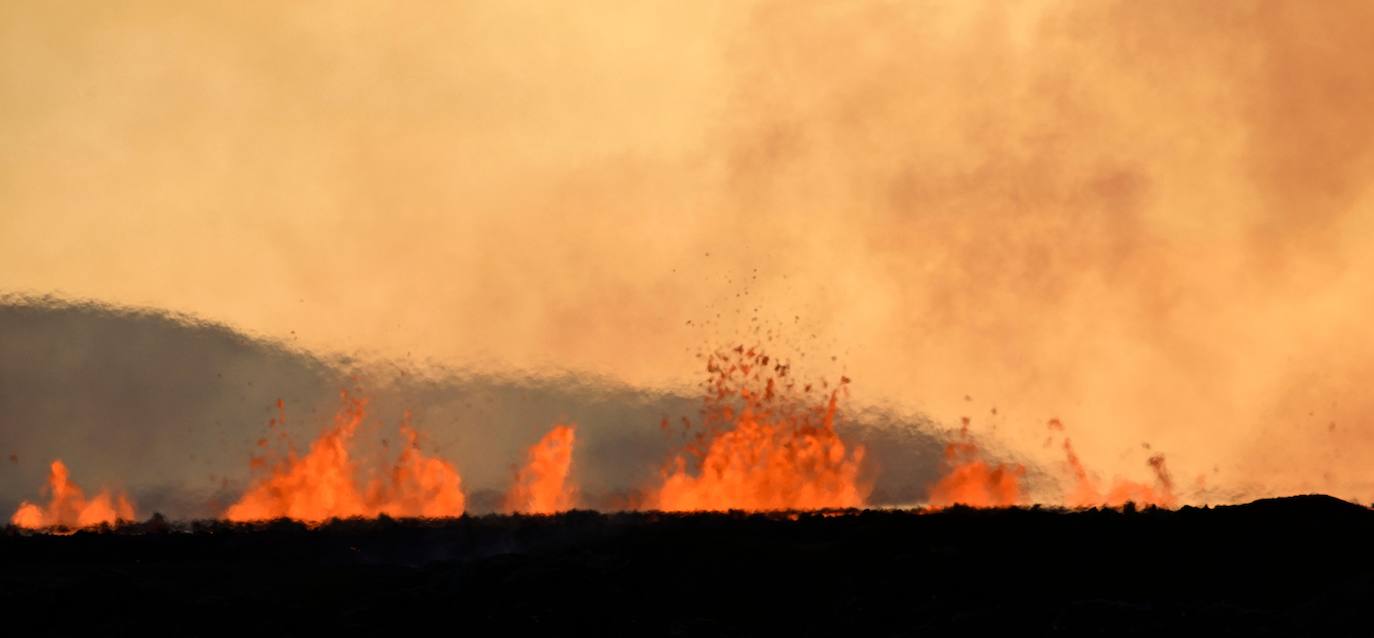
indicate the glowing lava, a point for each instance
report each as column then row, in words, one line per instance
column 1087, row 493
column 69, row 506
column 762, row 447
column 975, row 482
column 542, row 486
column 324, row 483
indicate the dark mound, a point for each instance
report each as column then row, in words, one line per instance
column 1286, row 567
column 1307, row 504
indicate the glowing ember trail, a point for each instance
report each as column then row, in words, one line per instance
column 1087, row 493
column 323, row 483
column 762, row 447
column 69, row 506
column 542, row 486
column 973, row 481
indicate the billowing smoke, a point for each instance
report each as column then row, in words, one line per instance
column 1148, row 220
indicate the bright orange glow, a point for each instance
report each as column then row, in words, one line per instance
column 69, row 506
column 762, row 448
column 542, row 486
column 417, row 485
column 1087, row 493
column 973, row 481
column 323, row 483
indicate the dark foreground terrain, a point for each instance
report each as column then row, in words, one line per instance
column 1285, row 567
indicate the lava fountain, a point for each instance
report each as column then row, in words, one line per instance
column 69, row 506
column 973, row 481
column 764, row 445
column 1086, row 491
column 324, row 483
column 542, row 485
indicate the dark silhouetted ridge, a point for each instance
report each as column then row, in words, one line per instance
column 1306, row 504
column 1278, row 567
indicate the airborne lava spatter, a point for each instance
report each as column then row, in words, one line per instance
column 324, row 483
column 542, row 486
column 972, row 480
column 1087, row 493
column 975, row 482
column 69, row 506
column 764, row 446
column 764, row 443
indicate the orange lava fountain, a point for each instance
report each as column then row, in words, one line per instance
column 1087, row 493
column 973, row 481
column 542, row 486
column 323, row 484
column 69, row 506
column 762, row 448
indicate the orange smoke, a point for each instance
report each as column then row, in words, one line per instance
column 775, row 454
column 323, row 483
column 1086, row 492
column 973, row 481
column 69, row 506
column 542, row 486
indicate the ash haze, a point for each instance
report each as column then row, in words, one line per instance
column 1152, row 221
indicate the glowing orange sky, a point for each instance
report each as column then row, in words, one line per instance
column 1151, row 220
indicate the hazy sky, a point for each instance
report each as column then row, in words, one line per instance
column 1150, row 220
